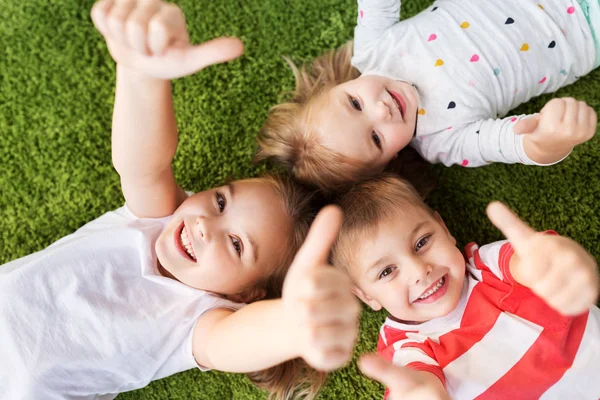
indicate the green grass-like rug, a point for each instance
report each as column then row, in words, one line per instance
column 56, row 97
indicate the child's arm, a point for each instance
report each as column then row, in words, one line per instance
column 543, row 139
column 562, row 124
column 374, row 18
column 149, row 42
column 316, row 318
column 402, row 382
column 555, row 268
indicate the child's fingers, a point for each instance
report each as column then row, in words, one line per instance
column 99, row 14
column 334, row 337
column 213, row 52
column 137, row 25
column 515, row 230
column 527, row 125
column 571, row 111
column 165, row 27
column 553, row 113
column 593, row 120
column 320, row 238
column 339, row 309
column 117, row 18
column 382, row 371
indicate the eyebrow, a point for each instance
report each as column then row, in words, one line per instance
column 231, row 189
column 382, row 259
column 253, row 244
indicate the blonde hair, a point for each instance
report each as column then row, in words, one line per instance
column 288, row 136
column 366, row 205
column 292, row 379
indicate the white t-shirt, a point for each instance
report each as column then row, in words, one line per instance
column 472, row 61
column 90, row 316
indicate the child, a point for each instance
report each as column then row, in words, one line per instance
column 518, row 322
column 440, row 81
column 159, row 285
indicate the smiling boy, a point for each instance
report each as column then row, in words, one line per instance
column 512, row 318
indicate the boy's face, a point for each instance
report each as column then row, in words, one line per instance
column 369, row 119
column 411, row 267
column 224, row 239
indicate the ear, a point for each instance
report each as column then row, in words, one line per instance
column 248, row 296
column 439, row 219
column 368, row 300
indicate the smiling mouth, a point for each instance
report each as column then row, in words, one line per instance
column 183, row 243
column 433, row 289
column 399, row 101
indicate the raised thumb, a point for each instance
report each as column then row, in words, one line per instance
column 215, row 51
column 527, row 125
column 321, row 236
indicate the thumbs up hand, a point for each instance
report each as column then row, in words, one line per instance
column 555, row 268
column 150, row 37
column 323, row 312
column 561, row 125
column 403, row 383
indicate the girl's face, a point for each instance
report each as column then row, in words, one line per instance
column 368, row 119
column 224, row 239
column 411, row 267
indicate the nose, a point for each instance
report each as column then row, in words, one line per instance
column 418, row 270
column 381, row 112
column 203, row 228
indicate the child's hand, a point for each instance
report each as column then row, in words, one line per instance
column 150, row 37
column 555, row 268
column 560, row 126
column 323, row 312
column 403, row 383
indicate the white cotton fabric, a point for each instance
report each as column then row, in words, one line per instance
column 90, row 316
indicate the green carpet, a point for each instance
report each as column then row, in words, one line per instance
column 56, row 97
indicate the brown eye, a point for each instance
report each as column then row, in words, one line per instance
column 237, row 245
column 376, row 139
column 221, row 202
column 386, row 272
column 355, row 103
column 422, row 242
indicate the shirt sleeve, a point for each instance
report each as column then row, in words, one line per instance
column 476, row 144
column 374, row 18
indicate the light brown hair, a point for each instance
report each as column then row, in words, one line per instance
column 366, row 205
column 287, row 135
column 289, row 138
column 293, row 379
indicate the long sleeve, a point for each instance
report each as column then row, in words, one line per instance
column 374, row 18
column 476, row 144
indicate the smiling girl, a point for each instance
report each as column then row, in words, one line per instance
column 170, row 282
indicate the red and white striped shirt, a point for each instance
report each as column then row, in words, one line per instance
column 501, row 340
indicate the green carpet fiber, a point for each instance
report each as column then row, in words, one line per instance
column 56, row 98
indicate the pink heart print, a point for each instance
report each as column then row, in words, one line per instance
column 432, row 37
column 361, row 13
column 475, row 58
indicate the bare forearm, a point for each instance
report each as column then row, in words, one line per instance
column 251, row 339
column 144, row 132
